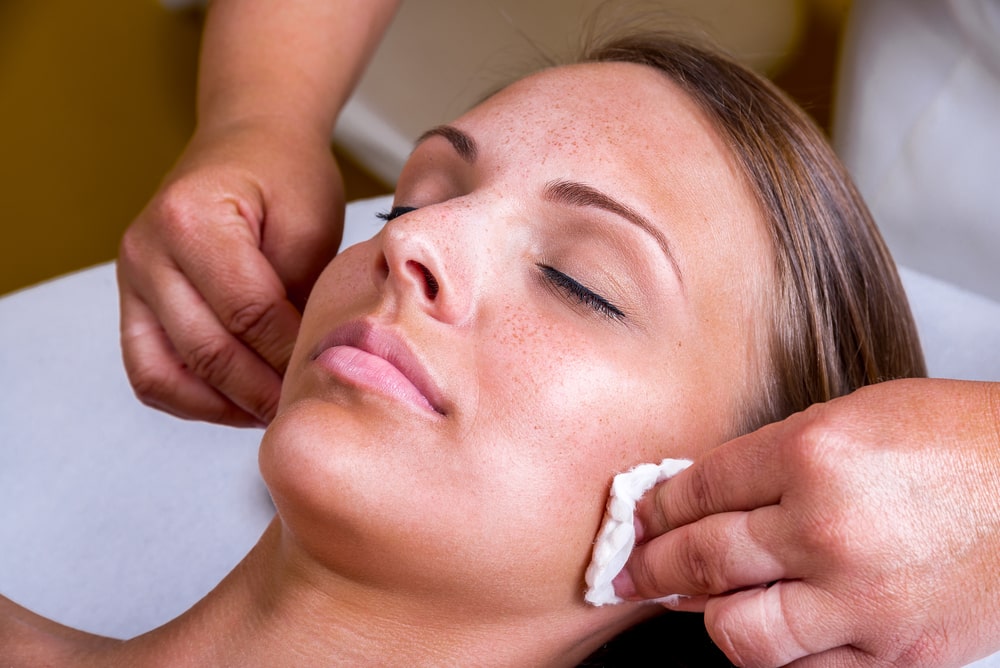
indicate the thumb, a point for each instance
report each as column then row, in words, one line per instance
column 301, row 231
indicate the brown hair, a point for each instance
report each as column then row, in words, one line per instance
column 842, row 319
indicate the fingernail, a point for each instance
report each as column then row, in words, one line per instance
column 623, row 585
column 640, row 530
column 671, row 602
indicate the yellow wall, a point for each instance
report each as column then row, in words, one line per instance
column 96, row 102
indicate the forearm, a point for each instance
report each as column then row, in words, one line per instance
column 294, row 60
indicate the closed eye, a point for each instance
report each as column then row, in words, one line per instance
column 395, row 212
column 581, row 293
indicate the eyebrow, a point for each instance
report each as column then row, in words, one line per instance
column 579, row 194
column 463, row 144
column 570, row 193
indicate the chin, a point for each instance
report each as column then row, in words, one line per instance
column 375, row 500
column 319, row 451
column 325, row 466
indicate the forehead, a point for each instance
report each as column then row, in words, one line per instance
column 622, row 111
column 623, row 126
column 626, row 129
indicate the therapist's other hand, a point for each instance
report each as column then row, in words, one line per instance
column 214, row 271
column 861, row 532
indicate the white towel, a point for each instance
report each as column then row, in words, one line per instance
column 616, row 539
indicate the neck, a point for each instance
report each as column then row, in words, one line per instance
column 278, row 607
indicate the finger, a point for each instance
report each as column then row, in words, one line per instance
column 715, row 555
column 300, row 252
column 844, row 656
column 241, row 288
column 680, row 603
column 774, row 626
column 739, row 475
column 211, row 352
column 159, row 376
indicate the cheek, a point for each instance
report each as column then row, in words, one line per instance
column 346, row 277
column 575, row 408
column 343, row 290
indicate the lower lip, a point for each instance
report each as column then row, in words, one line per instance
column 357, row 367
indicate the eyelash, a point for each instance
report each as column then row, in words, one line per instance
column 582, row 293
column 394, row 212
column 570, row 286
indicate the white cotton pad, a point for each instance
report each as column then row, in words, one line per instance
column 616, row 538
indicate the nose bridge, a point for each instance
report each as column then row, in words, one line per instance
column 433, row 257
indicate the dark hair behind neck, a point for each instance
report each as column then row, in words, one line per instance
column 672, row 640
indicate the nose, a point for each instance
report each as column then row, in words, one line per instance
column 428, row 262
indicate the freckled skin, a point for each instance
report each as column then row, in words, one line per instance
column 548, row 399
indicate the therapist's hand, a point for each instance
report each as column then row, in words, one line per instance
column 874, row 518
column 213, row 273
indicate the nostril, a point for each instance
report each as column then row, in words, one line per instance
column 431, row 286
column 383, row 267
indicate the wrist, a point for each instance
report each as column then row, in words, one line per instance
column 220, row 112
column 275, row 128
column 297, row 59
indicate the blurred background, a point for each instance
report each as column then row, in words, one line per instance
column 97, row 100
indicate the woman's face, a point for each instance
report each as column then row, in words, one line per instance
column 571, row 295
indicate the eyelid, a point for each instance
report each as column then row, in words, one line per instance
column 581, row 293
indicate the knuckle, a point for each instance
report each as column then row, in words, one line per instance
column 130, row 248
column 658, row 521
column 171, row 217
column 699, row 565
column 928, row 649
column 828, row 538
column 644, row 575
column 702, row 493
column 151, row 384
column 699, row 573
column 176, row 213
column 755, row 629
column 212, row 359
column 821, row 539
column 731, row 631
column 215, row 361
column 809, row 444
column 820, row 457
column 817, row 451
column 173, row 205
column 266, row 407
column 252, row 320
column 148, row 385
column 648, row 575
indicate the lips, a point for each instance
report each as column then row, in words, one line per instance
column 365, row 355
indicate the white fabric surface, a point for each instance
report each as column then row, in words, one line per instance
column 616, row 537
column 916, row 124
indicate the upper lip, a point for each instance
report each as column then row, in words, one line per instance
column 390, row 346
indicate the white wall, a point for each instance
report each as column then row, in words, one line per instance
column 441, row 56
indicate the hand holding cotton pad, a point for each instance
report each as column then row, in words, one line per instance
column 616, row 539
